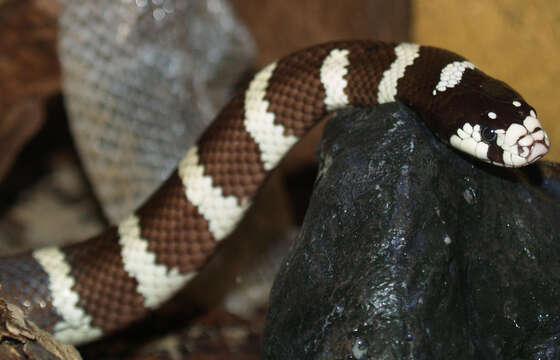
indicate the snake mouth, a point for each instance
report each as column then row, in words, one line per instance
column 523, row 144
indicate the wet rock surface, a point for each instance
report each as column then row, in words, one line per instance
column 412, row 251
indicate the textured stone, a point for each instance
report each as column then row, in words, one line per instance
column 410, row 250
column 141, row 81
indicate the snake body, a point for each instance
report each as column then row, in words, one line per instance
column 83, row 291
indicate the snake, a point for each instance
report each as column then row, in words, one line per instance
column 83, row 291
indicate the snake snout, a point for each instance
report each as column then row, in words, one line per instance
column 524, row 143
column 537, row 151
column 536, row 141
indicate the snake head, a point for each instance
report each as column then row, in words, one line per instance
column 490, row 121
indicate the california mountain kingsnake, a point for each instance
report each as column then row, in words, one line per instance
column 80, row 292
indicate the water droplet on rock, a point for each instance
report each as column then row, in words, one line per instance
column 360, row 348
column 469, row 195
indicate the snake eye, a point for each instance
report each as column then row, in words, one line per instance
column 488, row 135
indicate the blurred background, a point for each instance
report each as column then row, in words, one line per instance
column 98, row 100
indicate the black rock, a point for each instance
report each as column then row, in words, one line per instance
column 410, row 250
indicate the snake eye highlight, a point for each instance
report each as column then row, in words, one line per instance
column 488, row 135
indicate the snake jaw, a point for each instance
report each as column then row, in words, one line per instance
column 520, row 144
column 523, row 144
column 468, row 139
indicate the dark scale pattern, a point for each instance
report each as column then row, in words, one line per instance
column 176, row 232
column 420, row 79
column 25, row 283
column 98, row 271
column 229, row 153
column 368, row 61
column 295, row 93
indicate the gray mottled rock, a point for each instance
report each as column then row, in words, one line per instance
column 412, row 251
column 142, row 79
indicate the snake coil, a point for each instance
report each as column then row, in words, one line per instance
column 80, row 292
